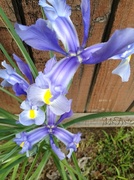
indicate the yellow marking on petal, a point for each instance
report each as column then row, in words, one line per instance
column 22, row 144
column 47, row 96
column 77, row 145
column 129, row 57
column 32, row 114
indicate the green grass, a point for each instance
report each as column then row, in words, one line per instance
column 110, row 153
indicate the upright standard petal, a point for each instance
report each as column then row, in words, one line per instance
column 51, row 118
column 39, row 36
column 24, row 68
column 55, row 8
column 50, row 64
column 63, row 72
column 58, row 13
column 19, row 89
column 85, row 9
column 66, row 32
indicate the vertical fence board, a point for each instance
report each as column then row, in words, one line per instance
column 109, row 93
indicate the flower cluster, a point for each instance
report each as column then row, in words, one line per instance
column 46, row 99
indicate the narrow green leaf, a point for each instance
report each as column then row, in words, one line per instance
column 6, row 137
column 10, row 94
column 11, row 165
column 80, row 176
column 32, row 166
column 4, row 113
column 59, row 165
column 63, row 171
column 10, row 60
column 22, row 173
column 9, row 154
column 14, row 172
column 5, row 174
column 40, row 167
column 64, row 161
column 51, row 54
column 6, row 145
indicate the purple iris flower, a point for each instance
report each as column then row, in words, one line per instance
column 12, row 78
column 51, row 129
column 60, row 27
column 50, row 86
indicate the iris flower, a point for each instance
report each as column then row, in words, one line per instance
column 44, row 35
column 27, row 140
column 50, row 86
column 12, row 78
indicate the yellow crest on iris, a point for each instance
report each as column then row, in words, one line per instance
column 22, row 144
column 47, row 96
column 32, row 114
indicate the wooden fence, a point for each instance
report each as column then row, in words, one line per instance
column 94, row 88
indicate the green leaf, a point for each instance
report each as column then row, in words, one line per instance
column 6, row 137
column 41, row 166
column 15, row 172
column 5, row 174
column 22, row 173
column 80, row 176
column 6, row 145
column 11, row 165
column 64, row 161
column 4, row 113
column 32, row 166
column 59, row 166
column 9, row 154
column 10, row 60
column 10, row 94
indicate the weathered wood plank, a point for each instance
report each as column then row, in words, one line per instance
column 109, row 93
